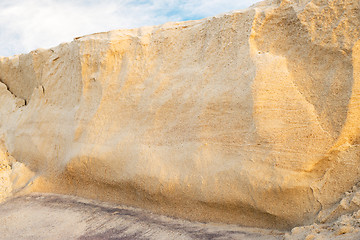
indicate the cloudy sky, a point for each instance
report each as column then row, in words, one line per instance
column 26, row 25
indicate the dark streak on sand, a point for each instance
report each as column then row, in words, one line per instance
column 110, row 221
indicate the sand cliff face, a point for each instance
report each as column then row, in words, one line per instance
column 249, row 117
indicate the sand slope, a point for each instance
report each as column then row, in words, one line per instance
column 50, row 216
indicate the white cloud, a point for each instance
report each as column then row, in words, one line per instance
column 29, row 24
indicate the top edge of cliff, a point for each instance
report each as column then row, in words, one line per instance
column 133, row 32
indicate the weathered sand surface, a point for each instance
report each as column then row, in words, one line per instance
column 53, row 216
column 251, row 117
column 50, row 216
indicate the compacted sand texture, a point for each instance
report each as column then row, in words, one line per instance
column 249, row 118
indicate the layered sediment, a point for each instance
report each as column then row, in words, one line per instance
column 251, row 117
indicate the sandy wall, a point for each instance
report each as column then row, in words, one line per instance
column 249, row 117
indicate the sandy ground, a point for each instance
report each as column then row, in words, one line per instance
column 51, row 216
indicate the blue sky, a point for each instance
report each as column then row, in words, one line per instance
column 26, row 25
